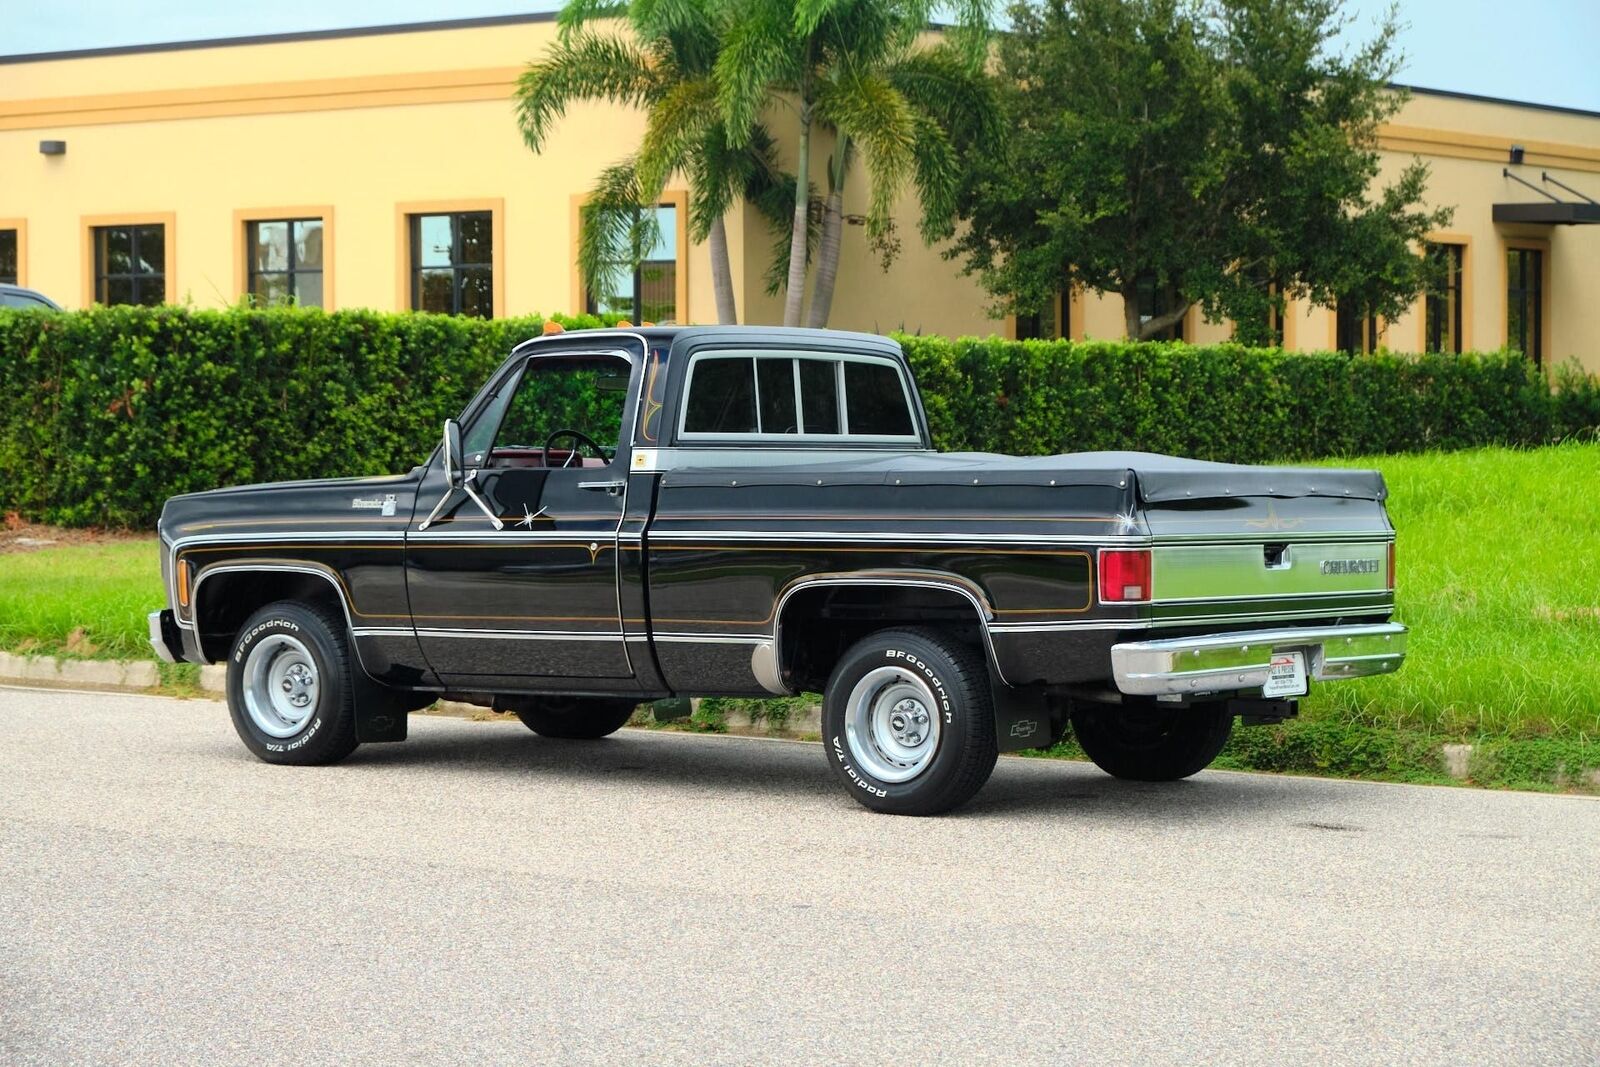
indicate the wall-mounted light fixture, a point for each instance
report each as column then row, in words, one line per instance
column 53, row 148
column 1516, row 155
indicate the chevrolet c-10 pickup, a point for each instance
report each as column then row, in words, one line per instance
column 634, row 515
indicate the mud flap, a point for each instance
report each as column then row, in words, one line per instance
column 1025, row 718
column 379, row 716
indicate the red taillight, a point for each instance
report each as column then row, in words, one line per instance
column 1391, row 565
column 1124, row 575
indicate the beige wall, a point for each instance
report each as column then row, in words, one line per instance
column 361, row 126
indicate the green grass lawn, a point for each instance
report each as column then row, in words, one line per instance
column 1499, row 571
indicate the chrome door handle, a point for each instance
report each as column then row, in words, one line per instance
column 611, row 488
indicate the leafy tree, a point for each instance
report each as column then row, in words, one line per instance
column 854, row 69
column 661, row 61
column 1220, row 151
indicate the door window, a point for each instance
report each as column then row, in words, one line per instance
column 564, row 412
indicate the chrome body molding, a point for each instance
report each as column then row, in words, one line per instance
column 325, row 573
column 1240, row 661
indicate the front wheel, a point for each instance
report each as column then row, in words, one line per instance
column 908, row 722
column 573, row 718
column 290, row 687
column 1152, row 746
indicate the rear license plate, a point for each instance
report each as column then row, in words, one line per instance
column 1287, row 675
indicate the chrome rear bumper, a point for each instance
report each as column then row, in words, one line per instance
column 1236, row 662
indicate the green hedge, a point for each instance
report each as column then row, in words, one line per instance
column 1241, row 405
column 105, row 413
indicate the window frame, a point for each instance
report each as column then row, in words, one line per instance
column 168, row 221
column 508, row 380
column 1464, row 298
column 404, row 271
column 244, row 218
column 693, row 438
column 21, row 227
column 673, row 198
column 1374, row 333
column 1542, row 307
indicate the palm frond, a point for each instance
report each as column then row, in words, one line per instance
column 583, row 66
column 677, row 124
column 613, row 230
column 759, row 54
column 575, row 13
column 874, row 114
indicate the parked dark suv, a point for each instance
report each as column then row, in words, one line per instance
column 15, row 296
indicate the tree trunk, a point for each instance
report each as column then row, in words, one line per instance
column 721, row 276
column 1138, row 331
column 827, row 260
column 794, row 298
column 829, row 244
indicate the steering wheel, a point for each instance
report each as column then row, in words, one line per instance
column 578, row 437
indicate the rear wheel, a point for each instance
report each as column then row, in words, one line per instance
column 908, row 722
column 1149, row 745
column 290, row 687
column 573, row 718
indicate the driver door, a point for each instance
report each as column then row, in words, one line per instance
column 513, row 608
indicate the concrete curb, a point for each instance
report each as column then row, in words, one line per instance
column 132, row 675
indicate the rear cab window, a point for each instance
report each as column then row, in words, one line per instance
column 794, row 397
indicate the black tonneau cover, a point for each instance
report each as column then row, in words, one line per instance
column 1158, row 478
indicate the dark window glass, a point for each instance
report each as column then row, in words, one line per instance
column 21, row 300
column 1156, row 300
column 643, row 288
column 284, row 257
column 1274, row 316
column 1354, row 331
column 819, row 395
column 1525, row 302
column 130, row 264
column 875, row 403
column 8, row 257
column 722, row 397
column 452, row 263
column 775, row 393
column 1442, row 302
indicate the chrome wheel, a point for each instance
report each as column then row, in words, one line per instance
column 891, row 724
column 280, row 685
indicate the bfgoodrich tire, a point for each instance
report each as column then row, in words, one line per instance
column 574, row 718
column 290, row 687
column 1152, row 746
column 908, row 722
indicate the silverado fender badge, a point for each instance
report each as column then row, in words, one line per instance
column 372, row 503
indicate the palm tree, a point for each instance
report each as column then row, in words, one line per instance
column 854, row 68
column 662, row 63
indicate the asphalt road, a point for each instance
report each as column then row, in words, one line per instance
column 479, row 893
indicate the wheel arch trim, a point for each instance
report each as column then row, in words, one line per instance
column 767, row 660
column 260, row 566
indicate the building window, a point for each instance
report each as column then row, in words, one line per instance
column 1525, row 302
column 1354, row 330
column 130, row 264
column 1442, row 302
column 1154, row 301
column 284, row 257
column 8, row 257
column 452, row 263
column 1051, row 322
column 643, row 287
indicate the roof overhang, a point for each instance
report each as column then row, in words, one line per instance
column 1548, row 214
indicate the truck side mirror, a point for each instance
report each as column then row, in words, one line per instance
column 452, row 454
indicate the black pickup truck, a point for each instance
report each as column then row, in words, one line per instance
column 629, row 515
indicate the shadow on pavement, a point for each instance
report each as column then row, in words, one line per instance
column 740, row 766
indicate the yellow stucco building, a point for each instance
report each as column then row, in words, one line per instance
column 383, row 168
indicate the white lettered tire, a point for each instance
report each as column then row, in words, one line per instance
column 290, row 688
column 908, row 722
